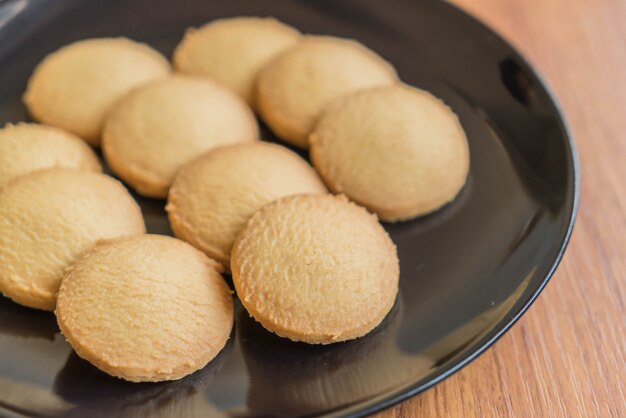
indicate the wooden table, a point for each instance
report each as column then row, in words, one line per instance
column 567, row 356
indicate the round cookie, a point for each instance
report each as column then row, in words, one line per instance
column 28, row 147
column 145, row 309
column 160, row 127
column 315, row 268
column 409, row 159
column 50, row 217
column 294, row 87
column 213, row 197
column 232, row 51
column 76, row 86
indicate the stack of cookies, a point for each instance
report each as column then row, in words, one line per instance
column 308, row 258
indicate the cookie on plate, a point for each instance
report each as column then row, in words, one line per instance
column 28, row 147
column 76, row 86
column 409, row 159
column 50, row 217
column 294, row 87
column 315, row 268
column 146, row 308
column 213, row 196
column 160, row 127
column 232, row 51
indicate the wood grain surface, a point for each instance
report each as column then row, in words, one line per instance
column 567, row 355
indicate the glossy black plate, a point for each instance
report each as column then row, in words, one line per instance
column 467, row 272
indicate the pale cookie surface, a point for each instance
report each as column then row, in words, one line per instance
column 28, row 147
column 315, row 268
column 160, row 127
column 50, row 217
column 294, row 87
column 397, row 150
column 213, row 197
column 146, row 308
column 232, row 51
column 76, row 86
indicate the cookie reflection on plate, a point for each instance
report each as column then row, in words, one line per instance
column 288, row 378
column 96, row 394
column 24, row 322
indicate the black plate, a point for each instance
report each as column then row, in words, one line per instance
column 468, row 272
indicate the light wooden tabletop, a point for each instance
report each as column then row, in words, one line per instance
column 567, row 356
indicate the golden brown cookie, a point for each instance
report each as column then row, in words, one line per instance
column 76, row 86
column 160, row 127
column 146, row 308
column 213, row 197
column 28, row 147
column 50, row 217
column 315, row 268
column 409, row 159
column 294, row 87
column 232, row 51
